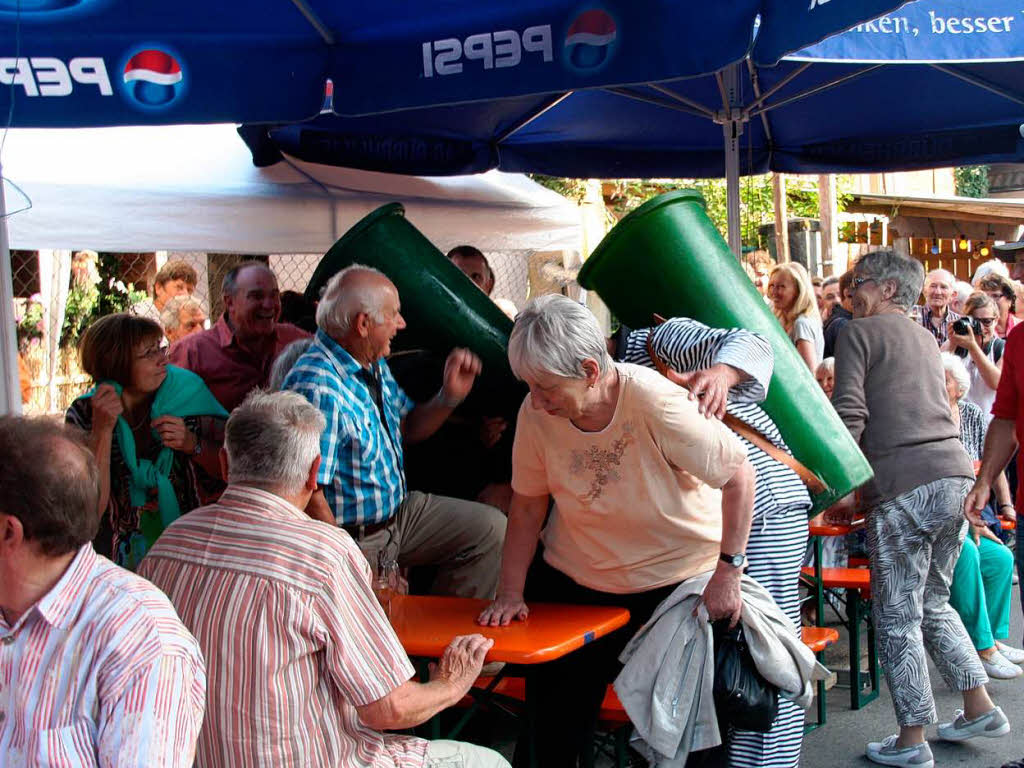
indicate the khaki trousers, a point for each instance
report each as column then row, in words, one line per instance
column 462, row 538
column 458, row 754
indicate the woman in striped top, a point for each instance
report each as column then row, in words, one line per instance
column 778, row 533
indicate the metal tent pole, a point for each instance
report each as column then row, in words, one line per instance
column 10, row 390
column 732, row 128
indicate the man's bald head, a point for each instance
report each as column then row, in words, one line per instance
column 354, row 290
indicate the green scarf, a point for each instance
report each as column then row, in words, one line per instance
column 182, row 394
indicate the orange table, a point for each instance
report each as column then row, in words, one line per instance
column 426, row 625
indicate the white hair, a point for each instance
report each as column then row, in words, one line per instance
column 339, row 306
column 554, row 335
column 170, row 315
column 990, row 266
column 954, row 366
column 945, row 274
column 828, row 365
column 962, row 290
column 271, row 441
column 285, row 361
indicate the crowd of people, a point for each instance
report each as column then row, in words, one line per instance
column 191, row 566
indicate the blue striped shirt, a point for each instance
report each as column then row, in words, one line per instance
column 361, row 466
column 687, row 345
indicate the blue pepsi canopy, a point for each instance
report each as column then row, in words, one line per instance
column 935, row 83
column 66, row 63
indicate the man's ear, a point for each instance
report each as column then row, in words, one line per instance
column 314, row 468
column 223, row 455
column 361, row 324
column 591, row 371
column 12, row 532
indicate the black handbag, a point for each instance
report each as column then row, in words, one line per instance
column 743, row 698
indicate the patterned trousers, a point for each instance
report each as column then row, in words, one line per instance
column 914, row 541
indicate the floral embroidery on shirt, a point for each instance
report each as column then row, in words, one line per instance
column 602, row 463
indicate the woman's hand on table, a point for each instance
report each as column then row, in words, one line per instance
column 842, row 512
column 460, row 664
column 503, row 610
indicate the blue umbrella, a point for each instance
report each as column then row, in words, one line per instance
column 935, row 83
column 75, row 63
column 81, row 63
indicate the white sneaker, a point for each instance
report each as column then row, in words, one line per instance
column 992, row 724
column 886, row 752
column 1012, row 655
column 998, row 667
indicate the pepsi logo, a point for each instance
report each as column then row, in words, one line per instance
column 153, row 79
column 590, row 41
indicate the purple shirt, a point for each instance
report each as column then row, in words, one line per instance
column 229, row 371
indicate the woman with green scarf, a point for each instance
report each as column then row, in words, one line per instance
column 155, row 430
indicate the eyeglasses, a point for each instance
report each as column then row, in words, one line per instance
column 153, row 353
column 986, row 321
column 857, row 282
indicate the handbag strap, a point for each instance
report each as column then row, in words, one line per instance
column 752, row 435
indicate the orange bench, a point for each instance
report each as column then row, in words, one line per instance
column 510, row 692
column 818, row 639
column 856, row 582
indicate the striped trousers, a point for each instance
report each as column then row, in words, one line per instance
column 914, row 542
column 775, row 553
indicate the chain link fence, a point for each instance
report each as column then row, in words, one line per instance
column 58, row 294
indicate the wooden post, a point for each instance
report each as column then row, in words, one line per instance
column 781, row 218
column 827, row 215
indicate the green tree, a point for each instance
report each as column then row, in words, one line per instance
column 756, row 203
column 971, row 180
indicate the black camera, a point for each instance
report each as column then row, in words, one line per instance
column 960, row 326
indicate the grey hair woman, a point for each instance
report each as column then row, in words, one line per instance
column 634, row 470
column 890, row 393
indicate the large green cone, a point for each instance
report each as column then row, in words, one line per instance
column 668, row 258
column 443, row 308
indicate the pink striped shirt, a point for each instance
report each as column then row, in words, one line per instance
column 100, row 672
column 293, row 636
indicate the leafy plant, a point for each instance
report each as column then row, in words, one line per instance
column 756, row 201
column 96, row 290
column 30, row 324
column 971, row 180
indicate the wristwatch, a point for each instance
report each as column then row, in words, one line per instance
column 736, row 561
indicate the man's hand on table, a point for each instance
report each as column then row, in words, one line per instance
column 503, row 610
column 460, row 664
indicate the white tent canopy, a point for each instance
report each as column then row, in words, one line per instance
column 194, row 188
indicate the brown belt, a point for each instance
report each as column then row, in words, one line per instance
column 359, row 532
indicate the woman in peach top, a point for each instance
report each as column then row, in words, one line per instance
column 647, row 493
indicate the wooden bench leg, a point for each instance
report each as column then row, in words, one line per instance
column 855, row 607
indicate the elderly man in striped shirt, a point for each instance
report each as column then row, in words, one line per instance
column 305, row 670
column 362, row 484
column 95, row 667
